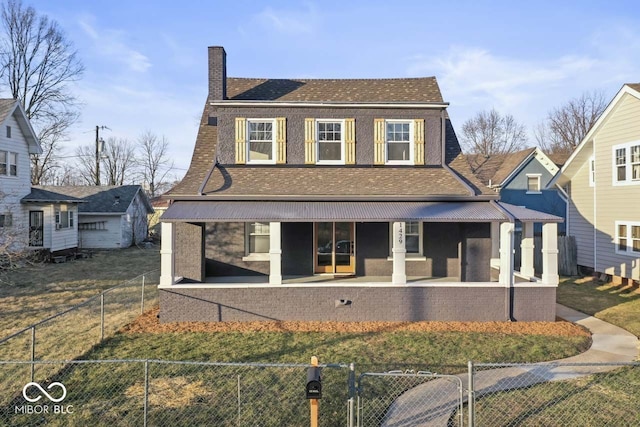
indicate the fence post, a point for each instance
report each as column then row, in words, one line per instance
column 33, row 353
column 146, row 392
column 142, row 298
column 472, row 397
column 352, row 394
column 101, row 317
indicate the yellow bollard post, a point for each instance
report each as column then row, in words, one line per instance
column 315, row 404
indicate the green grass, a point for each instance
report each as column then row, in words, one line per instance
column 616, row 304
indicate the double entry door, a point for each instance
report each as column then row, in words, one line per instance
column 335, row 247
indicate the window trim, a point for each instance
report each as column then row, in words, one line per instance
column 629, row 251
column 271, row 161
column 254, row 256
column 69, row 224
column 342, row 142
column 411, row 142
column 409, row 256
column 628, row 164
column 10, row 164
column 7, row 220
column 538, row 177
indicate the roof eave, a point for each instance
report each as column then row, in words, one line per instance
column 334, row 104
column 333, row 198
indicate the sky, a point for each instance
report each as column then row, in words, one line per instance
column 146, row 61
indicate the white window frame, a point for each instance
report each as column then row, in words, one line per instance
column 629, row 251
column 628, row 164
column 411, row 142
column 317, row 126
column 7, row 220
column 10, row 163
column 271, row 161
column 409, row 256
column 60, row 224
column 538, row 178
column 254, row 256
column 592, row 171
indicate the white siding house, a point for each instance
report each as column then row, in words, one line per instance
column 602, row 177
column 109, row 217
column 17, row 142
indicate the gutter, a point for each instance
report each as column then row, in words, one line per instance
column 508, row 297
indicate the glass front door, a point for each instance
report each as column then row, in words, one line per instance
column 335, row 248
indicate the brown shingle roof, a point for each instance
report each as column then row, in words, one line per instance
column 634, row 86
column 314, row 181
column 337, row 90
column 6, row 105
column 498, row 167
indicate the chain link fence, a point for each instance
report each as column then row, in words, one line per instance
column 161, row 393
column 76, row 330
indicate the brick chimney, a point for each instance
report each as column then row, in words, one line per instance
column 217, row 73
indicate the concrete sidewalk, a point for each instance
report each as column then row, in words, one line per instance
column 610, row 344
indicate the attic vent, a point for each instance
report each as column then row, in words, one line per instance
column 117, row 200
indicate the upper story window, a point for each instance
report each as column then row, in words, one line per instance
column 8, row 163
column 533, row 183
column 626, row 164
column 628, row 238
column 8, row 131
column 330, row 137
column 6, row 220
column 592, row 171
column 399, row 141
column 260, row 141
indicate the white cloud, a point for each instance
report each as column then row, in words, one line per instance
column 288, row 21
column 110, row 43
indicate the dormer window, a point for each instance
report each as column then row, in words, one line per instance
column 260, row 141
column 330, row 141
column 399, row 141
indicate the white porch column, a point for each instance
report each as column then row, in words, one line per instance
column 550, row 254
column 167, row 260
column 275, row 254
column 495, row 243
column 527, row 246
column 399, row 276
column 506, row 253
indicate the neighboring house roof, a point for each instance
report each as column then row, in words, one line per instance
column 40, row 195
column 100, row 199
column 423, row 89
column 498, row 170
column 10, row 106
column 584, row 150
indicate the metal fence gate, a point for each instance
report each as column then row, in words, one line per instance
column 409, row 398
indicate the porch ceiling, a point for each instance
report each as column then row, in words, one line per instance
column 301, row 211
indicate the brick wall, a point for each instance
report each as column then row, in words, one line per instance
column 380, row 303
column 189, row 251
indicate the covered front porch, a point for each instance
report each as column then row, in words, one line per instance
column 460, row 266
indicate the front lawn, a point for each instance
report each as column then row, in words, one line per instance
column 616, row 304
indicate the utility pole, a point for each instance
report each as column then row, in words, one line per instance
column 98, row 151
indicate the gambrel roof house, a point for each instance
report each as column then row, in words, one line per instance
column 341, row 199
column 602, row 178
column 109, row 216
column 522, row 179
column 45, row 225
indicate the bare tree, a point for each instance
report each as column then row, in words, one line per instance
column 86, row 164
column 118, row 160
column 566, row 126
column 37, row 64
column 490, row 133
column 153, row 160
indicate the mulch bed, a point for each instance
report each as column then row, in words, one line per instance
column 149, row 323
